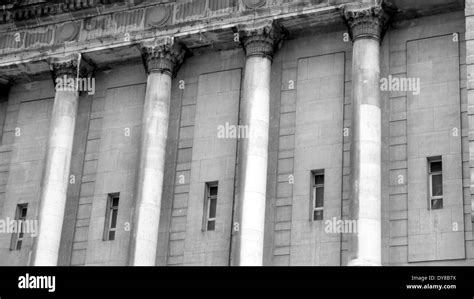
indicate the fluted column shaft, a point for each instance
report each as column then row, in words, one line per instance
column 58, row 158
column 367, row 23
column 259, row 41
column 162, row 58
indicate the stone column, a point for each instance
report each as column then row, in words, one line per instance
column 367, row 23
column 162, row 59
column 66, row 71
column 259, row 41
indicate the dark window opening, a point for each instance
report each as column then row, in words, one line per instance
column 435, row 170
column 317, row 195
column 210, row 206
column 111, row 215
column 18, row 236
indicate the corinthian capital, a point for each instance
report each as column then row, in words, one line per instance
column 162, row 55
column 368, row 20
column 260, row 38
column 72, row 66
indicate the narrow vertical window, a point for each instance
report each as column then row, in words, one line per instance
column 18, row 236
column 317, row 195
column 435, row 168
column 210, row 206
column 111, row 216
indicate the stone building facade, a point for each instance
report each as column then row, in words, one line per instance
column 237, row 132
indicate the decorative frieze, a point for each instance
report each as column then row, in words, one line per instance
column 366, row 20
column 162, row 55
column 44, row 9
column 261, row 38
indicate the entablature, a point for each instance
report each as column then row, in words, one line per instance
column 107, row 31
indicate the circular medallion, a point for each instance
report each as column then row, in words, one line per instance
column 253, row 4
column 66, row 32
column 157, row 16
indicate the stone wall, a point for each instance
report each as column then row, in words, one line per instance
column 310, row 129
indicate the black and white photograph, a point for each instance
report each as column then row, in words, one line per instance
column 253, row 148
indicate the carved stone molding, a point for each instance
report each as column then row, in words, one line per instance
column 18, row 11
column 261, row 38
column 158, row 16
column 366, row 20
column 67, row 32
column 162, row 55
column 253, row 4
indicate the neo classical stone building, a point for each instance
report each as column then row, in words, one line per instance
column 237, row 132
